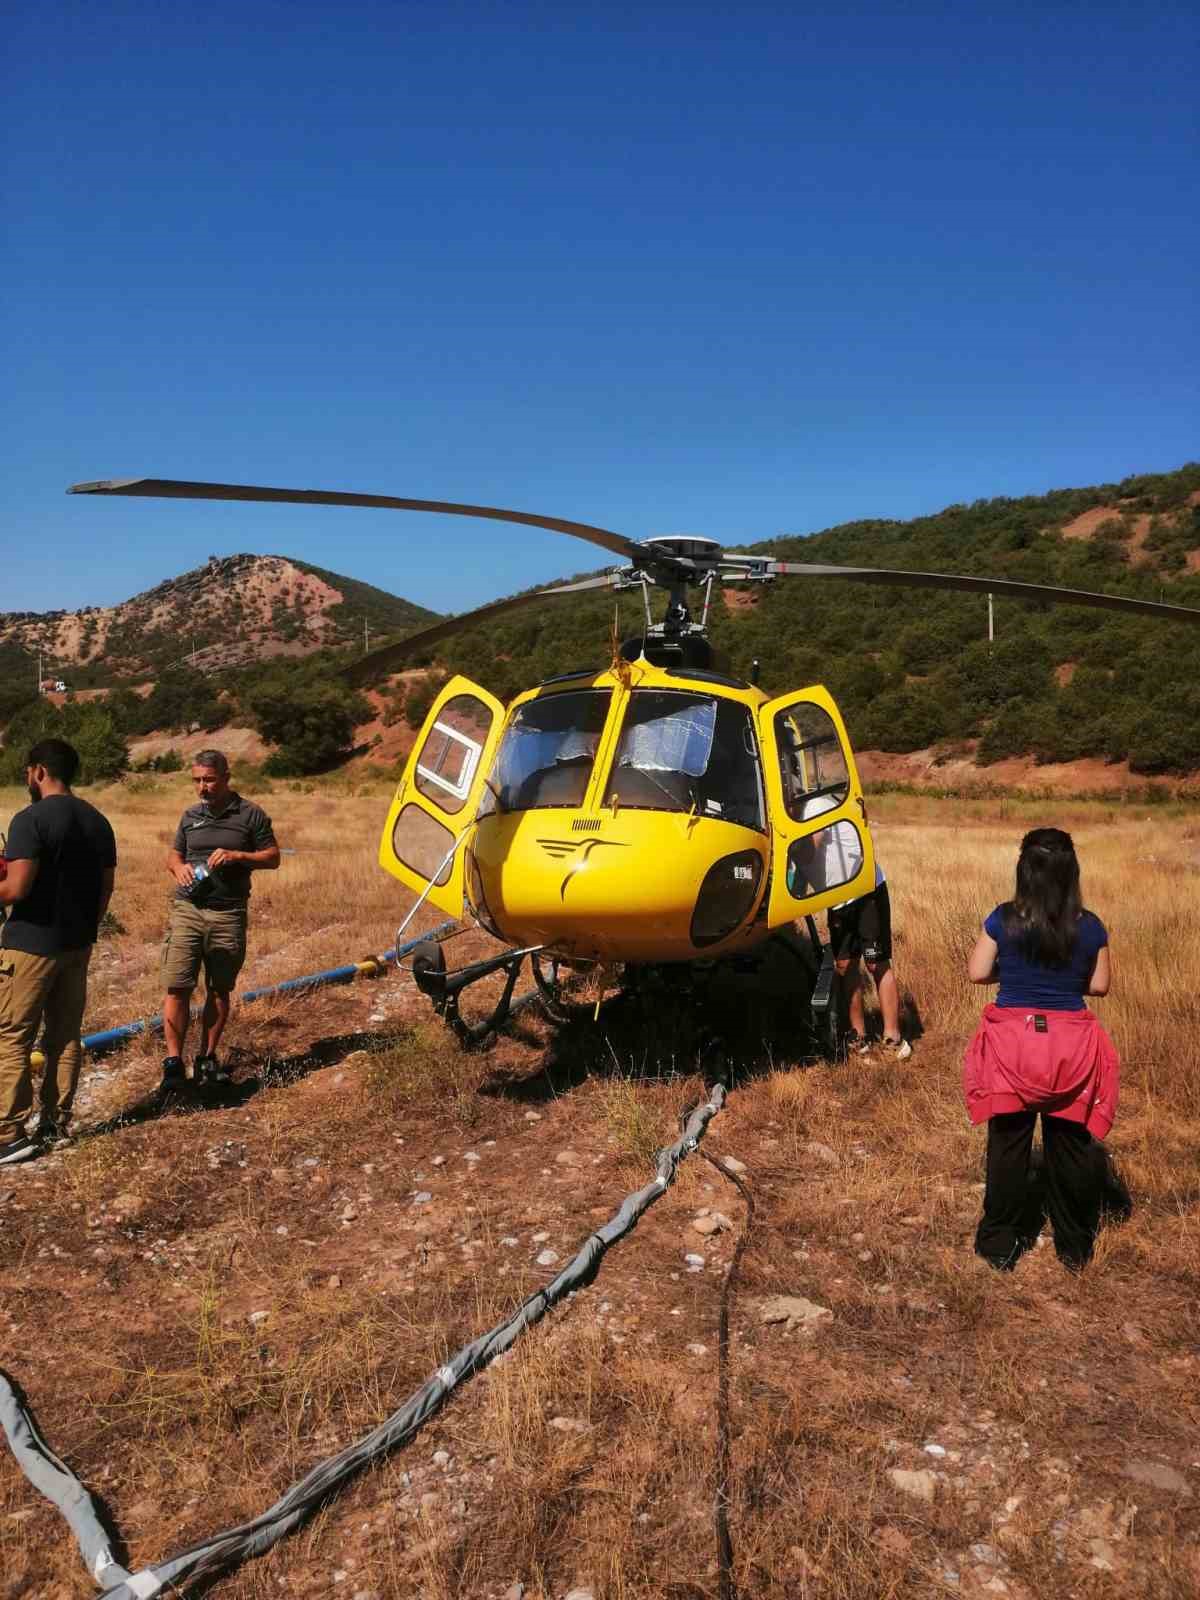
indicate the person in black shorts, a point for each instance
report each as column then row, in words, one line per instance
column 861, row 932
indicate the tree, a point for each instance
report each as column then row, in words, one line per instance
column 311, row 720
column 90, row 727
column 93, row 730
column 908, row 717
column 17, row 674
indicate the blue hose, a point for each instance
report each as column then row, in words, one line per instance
column 331, row 975
column 313, row 980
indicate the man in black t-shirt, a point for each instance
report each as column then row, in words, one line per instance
column 60, row 864
column 219, row 842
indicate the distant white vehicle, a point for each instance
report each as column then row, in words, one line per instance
column 59, row 686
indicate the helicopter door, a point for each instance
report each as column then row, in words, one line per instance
column 439, row 793
column 821, row 847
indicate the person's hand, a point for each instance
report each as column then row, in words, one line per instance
column 224, row 858
column 183, row 875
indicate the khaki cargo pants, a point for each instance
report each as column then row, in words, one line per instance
column 34, row 989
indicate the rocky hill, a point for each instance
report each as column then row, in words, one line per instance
column 228, row 613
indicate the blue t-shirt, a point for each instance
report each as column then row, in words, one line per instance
column 1026, row 983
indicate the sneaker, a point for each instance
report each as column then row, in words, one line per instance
column 53, row 1136
column 22, row 1149
column 855, row 1045
column 899, row 1049
column 173, row 1074
column 208, row 1072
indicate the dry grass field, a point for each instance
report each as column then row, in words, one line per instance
column 202, row 1305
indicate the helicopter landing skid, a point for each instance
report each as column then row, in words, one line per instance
column 551, row 976
column 823, row 1003
column 444, row 988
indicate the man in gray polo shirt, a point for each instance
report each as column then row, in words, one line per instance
column 219, row 842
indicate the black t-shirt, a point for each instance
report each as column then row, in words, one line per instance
column 238, row 825
column 72, row 845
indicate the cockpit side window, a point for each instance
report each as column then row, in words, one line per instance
column 545, row 757
column 812, row 763
column 688, row 752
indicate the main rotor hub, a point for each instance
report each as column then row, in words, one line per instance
column 687, row 547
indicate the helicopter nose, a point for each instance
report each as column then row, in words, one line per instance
column 645, row 887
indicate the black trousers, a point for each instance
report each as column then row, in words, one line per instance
column 1073, row 1184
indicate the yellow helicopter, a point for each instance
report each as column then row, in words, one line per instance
column 655, row 813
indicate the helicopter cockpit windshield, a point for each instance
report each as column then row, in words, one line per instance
column 688, row 752
column 546, row 755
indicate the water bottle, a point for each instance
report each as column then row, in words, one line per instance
column 200, row 875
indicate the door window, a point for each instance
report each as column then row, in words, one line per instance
column 422, row 843
column 448, row 759
column 825, row 859
column 812, row 763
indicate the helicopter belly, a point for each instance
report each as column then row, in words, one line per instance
column 634, row 886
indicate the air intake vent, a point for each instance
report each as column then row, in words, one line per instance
column 586, row 825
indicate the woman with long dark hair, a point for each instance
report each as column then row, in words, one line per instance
column 1038, row 1049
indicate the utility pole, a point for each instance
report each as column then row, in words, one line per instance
column 366, row 637
column 991, row 620
column 39, row 671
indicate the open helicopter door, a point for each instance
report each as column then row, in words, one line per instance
column 821, row 846
column 438, row 797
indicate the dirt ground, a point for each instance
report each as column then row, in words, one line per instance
column 201, row 1302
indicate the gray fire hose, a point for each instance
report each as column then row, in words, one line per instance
column 59, row 1484
column 235, row 1545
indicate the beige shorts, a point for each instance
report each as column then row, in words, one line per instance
column 197, row 937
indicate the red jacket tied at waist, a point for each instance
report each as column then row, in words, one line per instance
column 1070, row 1069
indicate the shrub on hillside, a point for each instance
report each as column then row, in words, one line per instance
column 392, row 709
column 181, row 699
column 1168, row 742
column 1006, row 735
column 421, row 697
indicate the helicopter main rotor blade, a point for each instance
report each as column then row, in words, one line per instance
column 181, row 489
column 1002, row 586
column 390, row 656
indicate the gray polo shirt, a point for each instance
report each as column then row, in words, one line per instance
column 238, row 825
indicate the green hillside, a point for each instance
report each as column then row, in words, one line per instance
column 912, row 668
column 384, row 612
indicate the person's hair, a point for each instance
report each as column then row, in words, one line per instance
column 1043, row 915
column 211, row 758
column 60, row 759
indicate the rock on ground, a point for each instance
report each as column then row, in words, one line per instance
column 1158, row 1476
column 795, row 1310
column 920, row 1484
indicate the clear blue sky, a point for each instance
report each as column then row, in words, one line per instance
column 730, row 270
